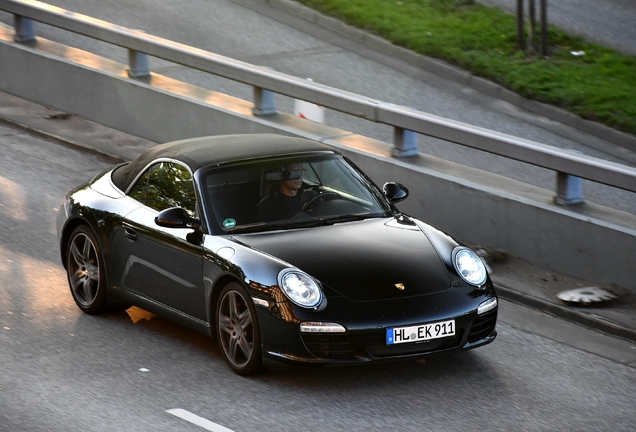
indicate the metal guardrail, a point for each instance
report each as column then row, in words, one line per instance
column 570, row 166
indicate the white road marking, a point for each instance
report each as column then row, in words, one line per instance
column 199, row 421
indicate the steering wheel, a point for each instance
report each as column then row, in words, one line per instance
column 311, row 202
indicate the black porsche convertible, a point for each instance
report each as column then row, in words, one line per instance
column 278, row 247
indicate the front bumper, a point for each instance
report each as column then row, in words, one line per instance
column 369, row 345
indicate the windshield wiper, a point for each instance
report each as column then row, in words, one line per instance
column 269, row 226
column 299, row 223
column 346, row 218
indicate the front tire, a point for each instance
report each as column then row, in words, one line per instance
column 85, row 271
column 238, row 331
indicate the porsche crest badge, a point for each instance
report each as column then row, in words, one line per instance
column 399, row 286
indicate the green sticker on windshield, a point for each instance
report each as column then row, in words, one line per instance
column 229, row 223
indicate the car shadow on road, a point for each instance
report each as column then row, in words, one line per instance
column 458, row 365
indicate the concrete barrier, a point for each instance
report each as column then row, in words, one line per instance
column 588, row 241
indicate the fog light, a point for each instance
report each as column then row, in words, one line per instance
column 321, row 327
column 486, row 306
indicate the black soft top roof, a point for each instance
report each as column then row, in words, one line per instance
column 198, row 152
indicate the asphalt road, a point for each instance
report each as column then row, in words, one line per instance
column 62, row 370
column 267, row 37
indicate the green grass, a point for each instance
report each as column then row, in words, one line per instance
column 599, row 86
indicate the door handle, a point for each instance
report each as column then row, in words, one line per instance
column 130, row 233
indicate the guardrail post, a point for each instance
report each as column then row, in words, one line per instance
column 24, row 30
column 264, row 102
column 569, row 188
column 138, row 64
column 404, row 143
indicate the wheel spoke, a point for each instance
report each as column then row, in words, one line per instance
column 246, row 347
column 88, row 250
column 76, row 279
column 93, row 273
column 231, row 349
column 77, row 256
column 232, row 306
column 245, row 319
column 88, row 291
column 225, row 324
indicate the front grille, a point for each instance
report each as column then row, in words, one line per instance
column 329, row 346
column 482, row 326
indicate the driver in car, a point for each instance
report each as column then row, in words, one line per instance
column 288, row 199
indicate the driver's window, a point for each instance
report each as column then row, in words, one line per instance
column 168, row 185
column 138, row 191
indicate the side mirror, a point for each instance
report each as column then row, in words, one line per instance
column 176, row 217
column 395, row 192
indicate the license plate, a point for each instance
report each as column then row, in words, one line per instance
column 418, row 333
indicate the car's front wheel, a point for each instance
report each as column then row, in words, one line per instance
column 238, row 330
column 85, row 271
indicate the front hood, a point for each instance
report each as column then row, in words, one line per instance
column 364, row 260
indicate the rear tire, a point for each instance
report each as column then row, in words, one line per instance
column 85, row 271
column 237, row 330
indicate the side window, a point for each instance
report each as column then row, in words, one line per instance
column 167, row 185
column 138, row 191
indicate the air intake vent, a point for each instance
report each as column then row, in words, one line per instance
column 482, row 326
column 329, row 346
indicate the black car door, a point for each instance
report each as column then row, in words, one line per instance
column 164, row 264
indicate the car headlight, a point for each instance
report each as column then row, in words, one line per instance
column 469, row 266
column 300, row 288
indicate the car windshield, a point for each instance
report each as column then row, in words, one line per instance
column 289, row 192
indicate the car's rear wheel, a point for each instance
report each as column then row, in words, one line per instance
column 238, row 331
column 85, row 271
